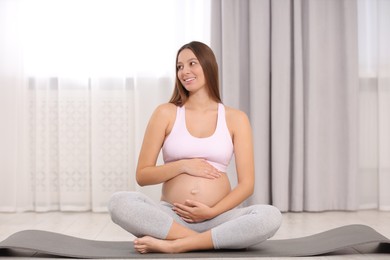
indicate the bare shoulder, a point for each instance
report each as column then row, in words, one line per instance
column 165, row 110
column 164, row 117
column 236, row 118
column 239, row 125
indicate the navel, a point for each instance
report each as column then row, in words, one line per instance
column 194, row 191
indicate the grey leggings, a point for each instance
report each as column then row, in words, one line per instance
column 234, row 229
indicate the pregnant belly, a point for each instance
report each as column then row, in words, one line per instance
column 206, row 191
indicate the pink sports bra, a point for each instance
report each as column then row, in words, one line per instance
column 216, row 149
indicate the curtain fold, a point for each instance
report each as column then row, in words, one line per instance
column 374, row 89
column 11, row 89
column 295, row 63
column 384, row 104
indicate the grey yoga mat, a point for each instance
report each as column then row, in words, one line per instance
column 332, row 241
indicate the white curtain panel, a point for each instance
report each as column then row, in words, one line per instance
column 84, row 136
column 76, row 94
column 374, row 73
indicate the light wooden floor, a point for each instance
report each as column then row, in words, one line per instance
column 99, row 226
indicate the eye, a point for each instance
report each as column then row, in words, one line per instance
column 179, row 67
column 192, row 63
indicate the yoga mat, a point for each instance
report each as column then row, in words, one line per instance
column 331, row 241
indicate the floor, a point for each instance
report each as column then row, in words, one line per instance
column 99, row 226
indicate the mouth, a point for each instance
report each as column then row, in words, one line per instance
column 189, row 79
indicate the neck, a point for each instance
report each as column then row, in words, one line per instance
column 200, row 102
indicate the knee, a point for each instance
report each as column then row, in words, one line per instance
column 270, row 217
column 115, row 203
column 275, row 219
column 115, row 200
column 119, row 201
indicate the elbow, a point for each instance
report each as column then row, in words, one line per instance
column 251, row 190
column 139, row 178
column 140, row 183
column 247, row 189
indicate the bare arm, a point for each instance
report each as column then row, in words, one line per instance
column 147, row 171
column 243, row 150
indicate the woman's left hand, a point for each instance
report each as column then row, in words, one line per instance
column 193, row 211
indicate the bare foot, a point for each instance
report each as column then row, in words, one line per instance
column 149, row 244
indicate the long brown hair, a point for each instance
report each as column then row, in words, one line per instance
column 207, row 61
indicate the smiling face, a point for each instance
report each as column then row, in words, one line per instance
column 189, row 71
column 196, row 68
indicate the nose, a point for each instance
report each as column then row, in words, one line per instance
column 186, row 69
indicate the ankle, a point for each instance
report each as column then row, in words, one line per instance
column 176, row 246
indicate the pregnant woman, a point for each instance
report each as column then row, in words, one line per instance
column 198, row 136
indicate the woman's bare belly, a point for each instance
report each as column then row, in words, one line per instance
column 206, row 191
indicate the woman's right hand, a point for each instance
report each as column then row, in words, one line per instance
column 200, row 168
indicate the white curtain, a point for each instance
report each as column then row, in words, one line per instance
column 374, row 74
column 78, row 82
column 292, row 66
column 314, row 77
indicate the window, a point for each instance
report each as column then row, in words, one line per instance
column 108, row 37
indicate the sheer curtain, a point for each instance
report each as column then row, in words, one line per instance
column 293, row 67
column 78, row 82
column 374, row 74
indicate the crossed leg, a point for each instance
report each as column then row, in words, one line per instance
column 159, row 229
column 155, row 226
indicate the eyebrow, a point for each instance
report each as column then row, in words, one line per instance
column 188, row 60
